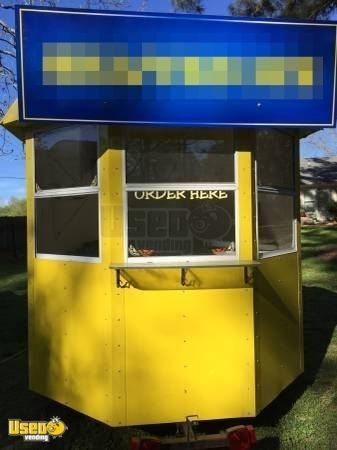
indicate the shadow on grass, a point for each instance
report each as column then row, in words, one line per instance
column 325, row 254
column 319, row 320
column 319, row 237
column 13, row 323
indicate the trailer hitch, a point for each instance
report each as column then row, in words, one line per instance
column 241, row 437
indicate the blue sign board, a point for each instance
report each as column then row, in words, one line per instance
column 172, row 69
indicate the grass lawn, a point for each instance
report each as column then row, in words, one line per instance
column 303, row 417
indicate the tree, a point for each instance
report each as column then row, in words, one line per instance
column 308, row 9
column 188, row 5
column 15, row 207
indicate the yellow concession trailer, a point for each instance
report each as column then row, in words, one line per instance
column 164, row 269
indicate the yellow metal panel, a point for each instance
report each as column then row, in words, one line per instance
column 77, row 340
column 189, row 353
column 278, row 322
column 71, row 328
column 278, row 326
column 112, row 200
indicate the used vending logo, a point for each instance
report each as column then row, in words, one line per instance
column 37, row 430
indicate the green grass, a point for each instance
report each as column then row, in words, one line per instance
column 305, row 415
column 316, row 243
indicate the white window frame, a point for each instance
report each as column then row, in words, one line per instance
column 293, row 248
column 231, row 186
column 69, row 192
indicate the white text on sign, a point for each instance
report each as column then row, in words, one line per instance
column 178, row 195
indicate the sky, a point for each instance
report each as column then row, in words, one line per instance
column 12, row 166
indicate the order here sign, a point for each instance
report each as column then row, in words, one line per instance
column 174, row 69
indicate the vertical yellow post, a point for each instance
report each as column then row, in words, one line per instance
column 245, row 206
column 112, row 195
column 245, row 171
column 247, row 225
column 30, row 244
column 112, row 214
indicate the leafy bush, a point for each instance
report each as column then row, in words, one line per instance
column 15, row 207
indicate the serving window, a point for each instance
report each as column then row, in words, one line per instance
column 276, row 192
column 66, row 193
column 181, row 197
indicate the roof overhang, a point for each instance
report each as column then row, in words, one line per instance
column 11, row 122
column 20, row 129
